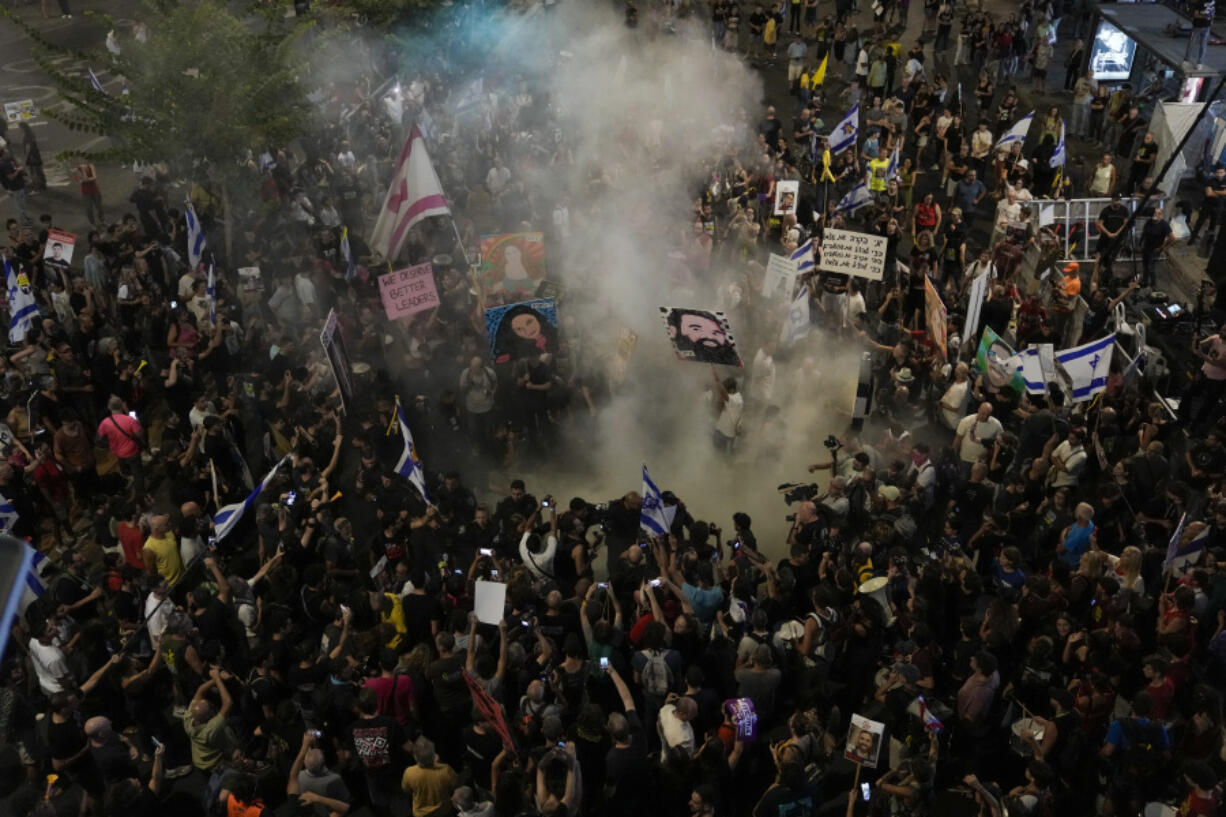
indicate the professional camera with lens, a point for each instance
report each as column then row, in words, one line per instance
column 832, row 442
column 798, row 492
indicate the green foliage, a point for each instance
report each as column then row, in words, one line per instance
column 205, row 89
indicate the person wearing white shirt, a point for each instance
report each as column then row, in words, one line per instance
column 973, row 434
column 498, row 177
column 156, row 613
column 305, row 288
column 345, row 158
column 1068, row 460
column 955, row 397
column 764, row 373
column 674, row 726
column 50, row 662
column 537, row 552
column 731, row 405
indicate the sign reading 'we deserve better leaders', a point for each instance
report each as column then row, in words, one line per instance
column 853, row 253
column 408, row 291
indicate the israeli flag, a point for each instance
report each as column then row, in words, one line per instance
column 351, row 267
column 802, row 256
column 854, row 200
column 1088, row 366
column 195, row 236
column 1178, row 562
column 227, row 518
column 1026, row 362
column 23, row 310
column 210, row 292
column 33, row 565
column 797, row 324
column 891, row 169
column 8, row 515
column 1017, row 133
column 653, row 516
column 409, row 466
column 1060, row 155
column 93, row 81
column 845, row 133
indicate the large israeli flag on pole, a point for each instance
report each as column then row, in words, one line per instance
column 1088, row 366
column 227, row 518
column 1017, row 133
column 844, row 134
column 803, row 256
column 23, row 309
column 796, row 326
column 409, row 466
column 195, row 235
column 1060, row 155
column 652, row 516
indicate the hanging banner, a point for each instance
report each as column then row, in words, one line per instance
column 856, row 254
column 935, row 316
column 408, row 291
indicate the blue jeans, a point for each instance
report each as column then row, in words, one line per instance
column 1198, row 43
column 1080, row 119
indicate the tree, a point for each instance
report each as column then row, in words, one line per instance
column 205, row 92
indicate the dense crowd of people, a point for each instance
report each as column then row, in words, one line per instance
column 1027, row 591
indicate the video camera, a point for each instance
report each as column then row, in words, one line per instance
column 798, row 492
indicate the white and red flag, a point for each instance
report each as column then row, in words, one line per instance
column 414, row 194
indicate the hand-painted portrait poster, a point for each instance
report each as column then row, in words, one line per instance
column 700, row 335
column 512, row 267
column 522, row 330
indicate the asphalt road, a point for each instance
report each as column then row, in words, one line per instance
column 21, row 78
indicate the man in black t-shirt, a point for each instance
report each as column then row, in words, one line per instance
column 378, row 743
column 1143, row 159
column 1211, row 206
column 757, row 22
column 1156, row 236
column 1110, row 225
column 627, row 766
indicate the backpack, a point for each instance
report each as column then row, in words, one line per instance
column 657, row 676
column 1144, row 756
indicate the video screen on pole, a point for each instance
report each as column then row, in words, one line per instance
column 1112, row 53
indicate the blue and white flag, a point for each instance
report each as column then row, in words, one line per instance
column 844, row 134
column 227, row 518
column 34, row 585
column 1026, row 363
column 195, row 236
column 409, row 466
column 1017, row 133
column 797, row 324
column 803, row 257
column 93, row 81
column 1180, row 560
column 891, row 169
column 1088, row 366
column 471, row 98
column 1060, row 155
column 351, row 266
column 8, row 515
column 210, row 292
column 859, row 196
column 23, row 309
column 653, row 516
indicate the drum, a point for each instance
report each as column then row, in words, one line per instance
column 1016, row 743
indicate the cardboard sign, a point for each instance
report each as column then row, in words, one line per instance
column 786, row 194
column 333, row 341
column 59, row 248
column 489, row 601
column 780, row 278
column 408, row 291
column 22, row 111
column 856, row 254
column 935, row 316
column 864, row 740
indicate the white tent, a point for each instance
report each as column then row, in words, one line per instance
column 1170, row 122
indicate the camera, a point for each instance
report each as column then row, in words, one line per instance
column 798, row 492
column 832, row 443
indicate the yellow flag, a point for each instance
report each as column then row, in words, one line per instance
column 820, row 76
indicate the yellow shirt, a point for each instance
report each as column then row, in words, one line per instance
column 394, row 617
column 166, row 549
column 431, row 788
column 770, row 32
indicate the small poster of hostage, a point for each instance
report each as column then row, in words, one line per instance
column 408, row 291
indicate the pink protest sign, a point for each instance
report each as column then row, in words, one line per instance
column 408, row 291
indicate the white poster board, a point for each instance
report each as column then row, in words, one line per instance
column 786, row 194
column 21, row 111
column 780, row 277
column 974, row 306
column 856, row 254
column 489, row 601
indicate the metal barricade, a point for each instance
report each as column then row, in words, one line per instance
column 1074, row 221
